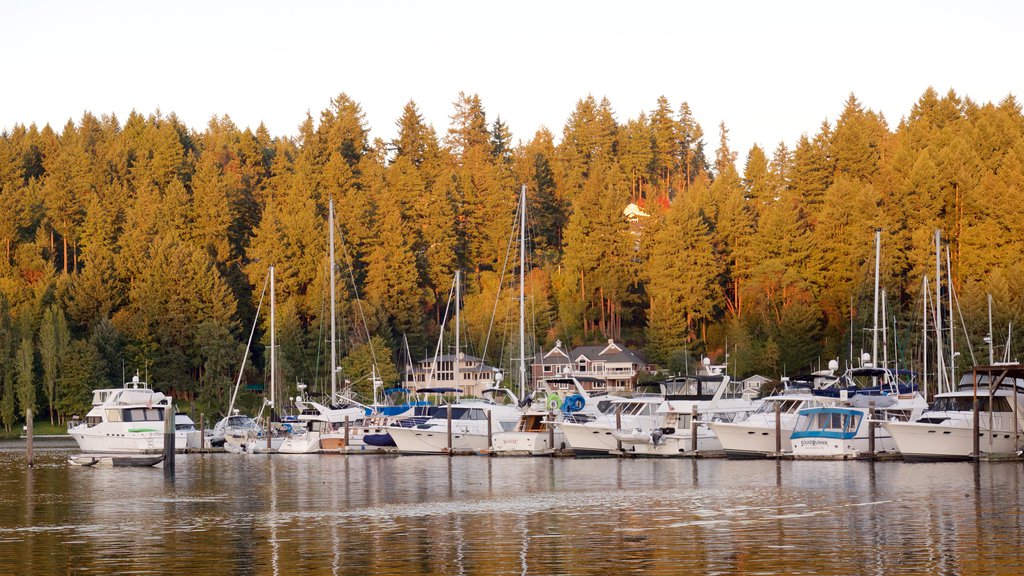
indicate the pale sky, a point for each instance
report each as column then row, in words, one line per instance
column 769, row 70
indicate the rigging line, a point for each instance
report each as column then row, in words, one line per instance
column 501, row 277
column 320, row 337
column 252, row 333
column 355, row 292
column 438, row 349
column 967, row 337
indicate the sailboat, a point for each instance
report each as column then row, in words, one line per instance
column 244, row 435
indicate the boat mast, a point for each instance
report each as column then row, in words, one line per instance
column 991, row 352
column 458, row 291
column 334, row 351
column 874, row 332
column 273, row 346
column 522, row 291
column 924, row 332
column 951, row 383
column 940, row 370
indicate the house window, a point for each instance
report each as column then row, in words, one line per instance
column 600, row 384
column 582, row 366
column 547, row 369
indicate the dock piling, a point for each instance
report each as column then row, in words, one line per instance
column 28, row 437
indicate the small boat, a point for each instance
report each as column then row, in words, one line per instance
column 115, row 460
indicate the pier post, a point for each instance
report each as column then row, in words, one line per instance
column 202, row 432
column 270, row 418
column 693, row 429
column 489, row 435
column 346, row 432
column 169, row 439
column 977, row 431
column 618, row 424
column 28, row 436
column 551, row 431
column 871, row 428
column 449, row 429
column 778, row 427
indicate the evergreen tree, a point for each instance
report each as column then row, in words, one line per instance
column 25, row 364
column 53, row 342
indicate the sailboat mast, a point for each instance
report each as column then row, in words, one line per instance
column 991, row 337
column 334, row 350
column 952, row 324
column 940, row 369
column 924, row 332
column 874, row 331
column 458, row 293
column 273, row 345
column 522, row 291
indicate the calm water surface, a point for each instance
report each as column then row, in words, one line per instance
column 290, row 515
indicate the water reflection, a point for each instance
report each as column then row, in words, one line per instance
column 339, row 515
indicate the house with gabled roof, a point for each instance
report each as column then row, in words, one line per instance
column 604, row 367
column 474, row 374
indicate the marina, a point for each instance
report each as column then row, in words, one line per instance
column 266, row 514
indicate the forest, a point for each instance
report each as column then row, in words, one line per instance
column 144, row 244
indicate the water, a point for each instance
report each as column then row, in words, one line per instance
column 331, row 514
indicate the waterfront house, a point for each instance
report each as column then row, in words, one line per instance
column 604, row 367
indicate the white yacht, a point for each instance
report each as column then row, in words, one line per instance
column 595, row 436
column 713, row 396
column 469, row 425
column 536, row 433
column 125, row 420
column 754, row 436
column 945, row 431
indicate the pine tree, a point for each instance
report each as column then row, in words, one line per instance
column 53, row 342
column 25, row 365
column 681, row 278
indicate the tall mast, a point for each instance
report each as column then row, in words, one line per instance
column 522, row 291
column 874, row 331
column 952, row 324
column 991, row 351
column 458, row 293
column 940, row 370
column 273, row 345
column 924, row 332
column 334, row 351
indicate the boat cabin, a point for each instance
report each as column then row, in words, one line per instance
column 532, row 423
column 828, row 422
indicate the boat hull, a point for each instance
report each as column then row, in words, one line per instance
column 589, row 439
column 739, row 440
column 435, row 441
column 920, row 441
column 91, row 440
column 525, row 443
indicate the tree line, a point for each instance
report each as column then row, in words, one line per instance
column 144, row 245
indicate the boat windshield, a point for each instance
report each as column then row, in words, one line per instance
column 828, row 421
column 461, row 413
column 788, row 406
column 966, row 404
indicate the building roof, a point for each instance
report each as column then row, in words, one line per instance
column 610, row 352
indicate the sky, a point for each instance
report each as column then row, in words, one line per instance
column 770, row 70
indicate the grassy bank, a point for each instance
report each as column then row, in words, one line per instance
column 41, row 428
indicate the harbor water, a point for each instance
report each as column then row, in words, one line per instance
column 382, row 514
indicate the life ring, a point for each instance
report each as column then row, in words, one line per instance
column 552, row 401
column 573, row 403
